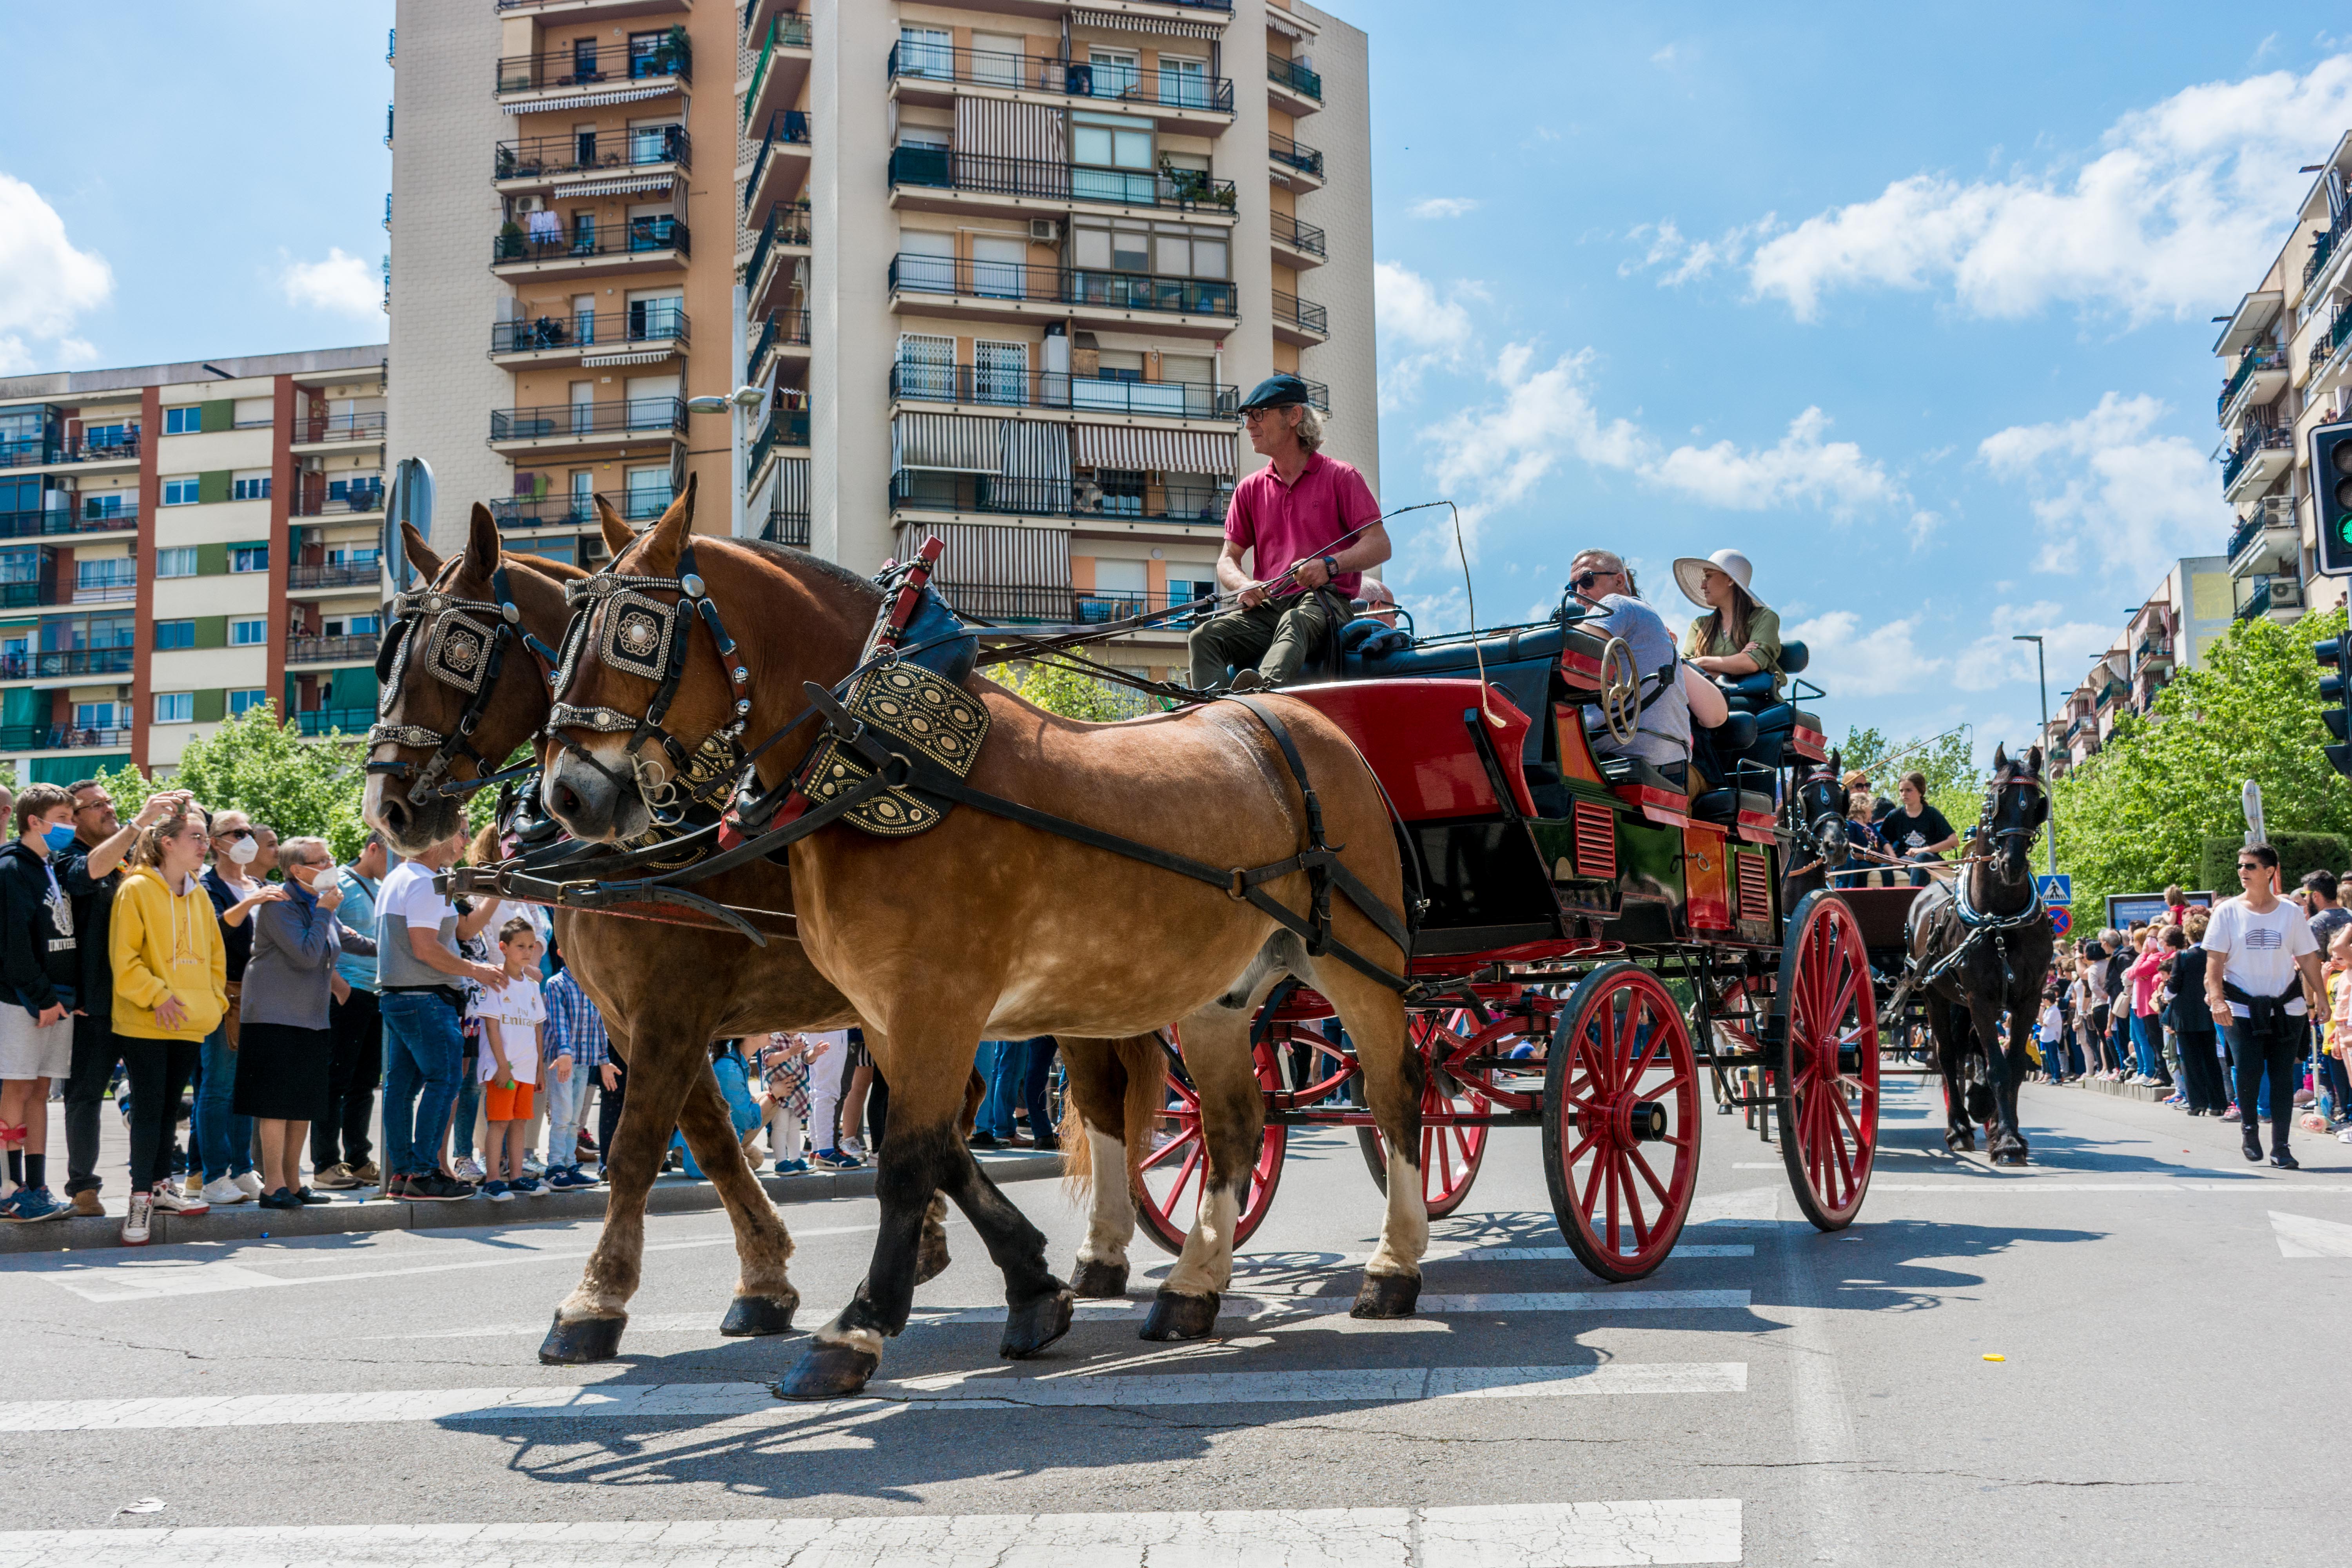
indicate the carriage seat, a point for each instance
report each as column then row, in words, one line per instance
column 1715, row 753
column 1636, row 771
column 1753, row 693
column 1368, row 656
column 1365, row 637
column 1724, row 805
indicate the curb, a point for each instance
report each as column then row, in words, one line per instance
column 348, row 1216
column 2145, row 1092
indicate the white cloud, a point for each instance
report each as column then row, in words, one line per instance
column 2108, row 491
column 1996, row 660
column 45, row 282
column 1444, row 207
column 1497, row 452
column 2179, row 209
column 1803, row 468
column 1664, row 57
column 1436, row 330
column 1849, row 661
column 343, row 284
column 1685, row 260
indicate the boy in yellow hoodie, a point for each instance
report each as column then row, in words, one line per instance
column 171, row 990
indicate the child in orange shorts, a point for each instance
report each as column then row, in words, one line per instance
column 514, row 1023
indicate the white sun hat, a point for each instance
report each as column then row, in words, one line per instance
column 1690, row 572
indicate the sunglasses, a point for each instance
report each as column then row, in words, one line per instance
column 2252, row 866
column 1586, row 579
column 234, row 833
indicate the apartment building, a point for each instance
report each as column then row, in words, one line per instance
column 998, row 270
column 2286, row 353
column 179, row 542
column 2192, row 607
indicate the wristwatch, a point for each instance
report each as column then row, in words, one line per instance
column 1331, row 565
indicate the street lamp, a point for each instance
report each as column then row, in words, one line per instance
column 735, row 405
column 2041, row 671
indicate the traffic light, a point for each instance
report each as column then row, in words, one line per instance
column 2335, row 710
column 2331, row 490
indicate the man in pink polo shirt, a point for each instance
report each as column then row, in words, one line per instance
column 1294, row 514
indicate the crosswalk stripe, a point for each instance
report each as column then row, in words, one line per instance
column 1570, row 1535
column 2299, row 1236
column 988, row 1389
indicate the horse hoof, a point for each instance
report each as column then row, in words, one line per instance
column 748, row 1316
column 1100, row 1281
column 931, row 1257
column 2011, row 1157
column 828, row 1371
column 1387, row 1296
column 582, row 1341
column 1030, row 1329
column 1175, row 1316
column 1961, row 1143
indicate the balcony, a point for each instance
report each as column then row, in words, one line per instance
column 1177, row 98
column 350, row 503
column 586, row 76
column 781, row 527
column 333, row 574
column 330, row 650
column 787, row 227
column 30, row 593
column 785, row 427
column 551, row 511
column 1296, row 244
column 2331, row 360
column 985, row 181
column 47, row 524
column 59, row 738
column 2281, row 595
column 777, row 74
column 1291, row 86
column 990, row 387
column 783, row 329
column 1301, row 167
column 2152, row 651
column 635, row 334
column 1301, row 321
column 2266, row 541
column 996, row 290
column 2261, row 375
column 2111, row 694
column 787, row 128
column 335, row 720
column 2324, row 247
column 1084, row 501
column 561, row 425
column 2261, row 455
column 122, row 450
column 112, row 590
column 641, row 243
column 333, row 430
column 568, row 10
column 561, row 162
column 644, row 505
column 57, row 664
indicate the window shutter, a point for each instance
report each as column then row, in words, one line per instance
column 211, row 560
column 219, row 413
column 211, row 485
column 211, row 706
column 212, row 631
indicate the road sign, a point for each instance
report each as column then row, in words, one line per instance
column 2057, row 888
column 2062, row 920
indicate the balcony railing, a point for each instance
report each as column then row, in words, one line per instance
column 2268, row 357
column 29, row 594
column 785, row 226
column 337, row 427
column 328, row 720
column 1305, row 314
column 1021, row 388
column 2258, row 438
column 937, row 490
column 1294, row 76
column 786, row 426
column 782, row 327
column 51, row 663
column 638, row 236
column 59, row 738
column 334, row 575
column 105, row 591
column 1305, row 160
column 551, row 511
column 2281, row 593
column 41, row 524
column 2113, row 692
column 2323, row 347
column 328, row 650
column 943, row 168
column 788, row 125
column 1018, row 282
column 783, row 527
column 640, row 323
column 2152, row 649
column 1164, row 88
column 598, row 66
column 2322, row 249
column 642, row 505
column 366, row 500
column 645, row 416
column 1289, row 231
column 539, row 157
column 2266, row 517
column 24, row 454
column 789, row 30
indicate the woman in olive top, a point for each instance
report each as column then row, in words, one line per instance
column 1738, row 637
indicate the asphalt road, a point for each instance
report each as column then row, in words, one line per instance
column 2169, row 1318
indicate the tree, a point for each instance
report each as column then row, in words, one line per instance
column 2136, row 815
column 1955, row 783
column 1073, row 694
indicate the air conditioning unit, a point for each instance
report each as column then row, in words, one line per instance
column 529, row 204
column 1045, row 231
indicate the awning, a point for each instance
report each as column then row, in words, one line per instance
column 957, row 443
column 617, row 187
column 996, row 128
column 638, row 356
column 1167, row 451
column 1034, row 450
column 591, row 100
column 988, row 553
column 793, row 485
column 1166, row 29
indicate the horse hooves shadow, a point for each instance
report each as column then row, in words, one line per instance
column 1030, row 1329
column 1175, row 1316
column 1097, row 1281
column 1387, row 1296
column 748, row 1317
column 582, row 1341
column 828, row 1371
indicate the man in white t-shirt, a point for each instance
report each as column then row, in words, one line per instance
column 2260, row 995
column 418, row 966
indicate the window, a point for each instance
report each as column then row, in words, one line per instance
column 1000, row 372
column 101, row 715
column 1185, row 82
column 247, row 631
column 249, row 558
column 175, row 707
column 926, row 365
column 249, row 489
column 170, row 634
column 20, row 565
column 107, row 438
column 178, row 562
column 351, row 626
column 188, row 421
column 242, row 702
column 120, row 571
column 1116, row 73
column 927, row 51
column 1108, row 145
column 181, row 492
column 367, row 556
column 108, row 504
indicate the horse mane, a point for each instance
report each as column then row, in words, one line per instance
column 802, row 560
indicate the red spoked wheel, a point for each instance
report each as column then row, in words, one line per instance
column 1454, row 1113
column 1620, row 1124
column 1738, row 1025
column 1828, row 1092
column 1168, row 1187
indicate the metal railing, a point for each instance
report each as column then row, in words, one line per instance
column 1115, row 82
column 938, row 490
column 2112, row 692
column 645, row 322
column 1294, row 76
column 103, row 591
column 24, row 454
column 331, row 721
column 536, row 157
column 368, row 498
column 782, row 326
column 785, row 226
column 337, row 427
column 1020, row 281
column 42, row 525
column 2322, row 249
column 328, row 650
column 1023, row 388
column 943, row 168
column 1289, row 231
column 2266, row 357
column 783, row 527
column 2323, row 347
column 2278, row 593
column 2151, row 648
column 636, row 415
column 2265, row 518
column 1305, row 160
column 598, row 66
column 30, row 594
column 786, row 428
column 788, row 29
column 640, row 505
column 59, row 737
column 793, row 126
column 1305, row 314
column 2258, row 438
column 639, row 235
column 552, row 511
column 50, row 663
column 334, row 575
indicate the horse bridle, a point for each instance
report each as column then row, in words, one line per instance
column 1810, row 842
column 1986, row 832
column 461, row 652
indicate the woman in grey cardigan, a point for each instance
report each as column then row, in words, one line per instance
column 286, row 1052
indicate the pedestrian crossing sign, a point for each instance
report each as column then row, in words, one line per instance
column 2057, row 889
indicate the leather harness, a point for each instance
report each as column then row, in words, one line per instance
column 459, row 651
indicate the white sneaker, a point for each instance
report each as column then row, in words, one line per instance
column 248, row 1184
column 853, row 1148
column 172, row 1200
column 224, row 1191
column 532, row 1165
column 135, row 1224
column 467, row 1169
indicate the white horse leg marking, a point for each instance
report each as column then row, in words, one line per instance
column 1404, row 1229
column 1205, row 1266
column 1110, row 1224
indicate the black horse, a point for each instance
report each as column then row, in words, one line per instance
column 1981, row 947
column 1813, row 819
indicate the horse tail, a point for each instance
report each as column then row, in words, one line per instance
column 1141, row 1068
column 485, row 846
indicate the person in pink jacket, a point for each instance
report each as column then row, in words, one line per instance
column 2145, row 977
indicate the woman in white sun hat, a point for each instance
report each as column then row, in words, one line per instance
column 1738, row 637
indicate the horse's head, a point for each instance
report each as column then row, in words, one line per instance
column 1820, row 808
column 2017, row 802
column 460, row 686
column 657, row 698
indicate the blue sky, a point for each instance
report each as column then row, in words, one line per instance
column 1911, row 304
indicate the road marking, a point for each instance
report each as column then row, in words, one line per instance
column 1572, row 1535
column 2298, row 1236
column 2270, row 1186
column 1566, row 1255
column 988, row 1389
column 1832, row 1515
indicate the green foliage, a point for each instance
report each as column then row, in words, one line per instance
column 1955, row 785
column 2217, row 869
column 2139, row 813
column 1073, row 694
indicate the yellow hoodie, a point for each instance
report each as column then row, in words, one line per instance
column 161, row 946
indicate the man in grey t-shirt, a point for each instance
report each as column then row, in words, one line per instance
column 1669, row 696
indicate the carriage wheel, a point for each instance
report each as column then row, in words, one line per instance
column 1829, row 1100
column 1450, row 1153
column 1738, row 1025
column 1620, row 1105
column 1167, row 1188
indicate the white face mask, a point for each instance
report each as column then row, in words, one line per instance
column 244, row 851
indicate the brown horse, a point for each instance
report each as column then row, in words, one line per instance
column 985, row 926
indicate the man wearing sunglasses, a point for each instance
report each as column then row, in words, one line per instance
column 2258, row 995
column 1671, row 693
column 1311, row 526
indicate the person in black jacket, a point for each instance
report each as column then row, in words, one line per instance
column 40, row 970
column 2200, row 1060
